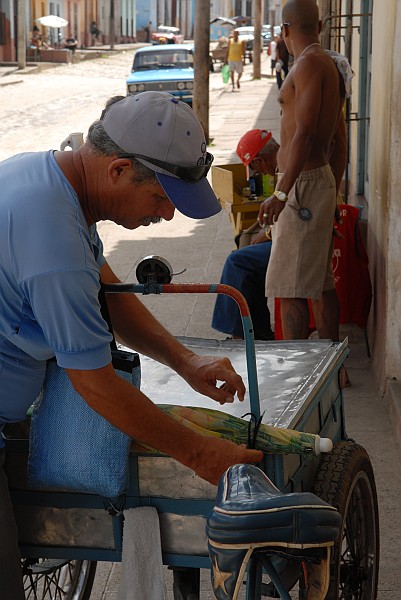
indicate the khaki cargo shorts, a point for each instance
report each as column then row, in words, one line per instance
column 300, row 264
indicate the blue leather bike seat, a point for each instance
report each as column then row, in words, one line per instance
column 251, row 514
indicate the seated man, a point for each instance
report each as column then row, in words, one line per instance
column 245, row 268
column 71, row 44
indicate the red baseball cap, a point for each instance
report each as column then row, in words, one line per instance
column 251, row 144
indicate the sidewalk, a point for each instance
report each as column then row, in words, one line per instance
column 201, row 247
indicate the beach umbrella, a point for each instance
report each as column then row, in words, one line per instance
column 52, row 21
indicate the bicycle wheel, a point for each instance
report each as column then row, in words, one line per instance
column 345, row 480
column 58, row 579
column 186, row 583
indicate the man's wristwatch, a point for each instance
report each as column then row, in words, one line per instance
column 282, row 196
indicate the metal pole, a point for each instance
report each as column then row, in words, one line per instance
column 134, row 19
column 257, row 41
column 21, row 41
column 325, row 13
column 111, row 33
column 201, row 64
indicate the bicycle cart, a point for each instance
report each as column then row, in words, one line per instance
column 64, row 534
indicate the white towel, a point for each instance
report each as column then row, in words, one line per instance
column 142, row 568
column 345, row 69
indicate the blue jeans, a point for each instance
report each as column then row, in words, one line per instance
column 245, row 270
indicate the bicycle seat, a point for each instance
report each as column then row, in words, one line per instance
column 251, row 513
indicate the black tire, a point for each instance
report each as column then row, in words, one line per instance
column 345, row 480
column 58, row 579
column 186, row 583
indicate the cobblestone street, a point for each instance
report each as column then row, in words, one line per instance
column 38, row 112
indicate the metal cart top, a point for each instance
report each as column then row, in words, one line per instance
column 290, row 374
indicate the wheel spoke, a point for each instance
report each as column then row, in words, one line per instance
column 346, row 481
column 57, row 579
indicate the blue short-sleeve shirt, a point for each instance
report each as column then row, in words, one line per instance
column 49, row 281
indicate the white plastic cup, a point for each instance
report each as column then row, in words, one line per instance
column 73, row 141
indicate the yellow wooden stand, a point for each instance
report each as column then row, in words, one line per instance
column 228, row 181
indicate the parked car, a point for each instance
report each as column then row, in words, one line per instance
column 167, row 35
column 164, row 68
column 266, row 38
column 247, row 34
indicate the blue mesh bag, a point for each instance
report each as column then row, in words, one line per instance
column 71, row 446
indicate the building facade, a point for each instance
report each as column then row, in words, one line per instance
column 122, row 20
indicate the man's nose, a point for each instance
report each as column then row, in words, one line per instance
column 167, row 210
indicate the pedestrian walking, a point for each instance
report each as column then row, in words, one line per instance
column 235, row 59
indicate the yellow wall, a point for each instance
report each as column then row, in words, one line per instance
column 393, row 205
column 86, row 11
column 381, row 174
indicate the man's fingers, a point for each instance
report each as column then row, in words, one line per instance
column 229, row 393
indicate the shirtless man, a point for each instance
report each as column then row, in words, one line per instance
column 311, row 163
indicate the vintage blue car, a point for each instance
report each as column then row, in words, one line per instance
column 163, row 68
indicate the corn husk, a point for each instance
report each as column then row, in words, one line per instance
column 215, row 423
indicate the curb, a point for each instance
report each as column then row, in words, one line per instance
column 11, row 68
column 3, row 84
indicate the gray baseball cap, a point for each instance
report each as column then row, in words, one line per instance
column 165, row 135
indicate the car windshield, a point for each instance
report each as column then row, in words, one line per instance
column 179, row 59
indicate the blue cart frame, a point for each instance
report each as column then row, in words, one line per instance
column 73, row 526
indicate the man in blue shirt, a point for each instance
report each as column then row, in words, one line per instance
column 145, row 157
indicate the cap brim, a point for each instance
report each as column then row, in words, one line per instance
column 195, row 200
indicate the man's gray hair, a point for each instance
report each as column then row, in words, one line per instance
column 101, row 144
column 271, row 147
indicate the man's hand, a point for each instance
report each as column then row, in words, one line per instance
column 260, row 238
column 219, row 454
column 204, row 372
column 337, row 220
column 270, row 210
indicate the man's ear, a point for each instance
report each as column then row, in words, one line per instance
column 320, row 26
column 117, row 167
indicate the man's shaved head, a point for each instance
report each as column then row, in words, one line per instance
column 302, row 14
